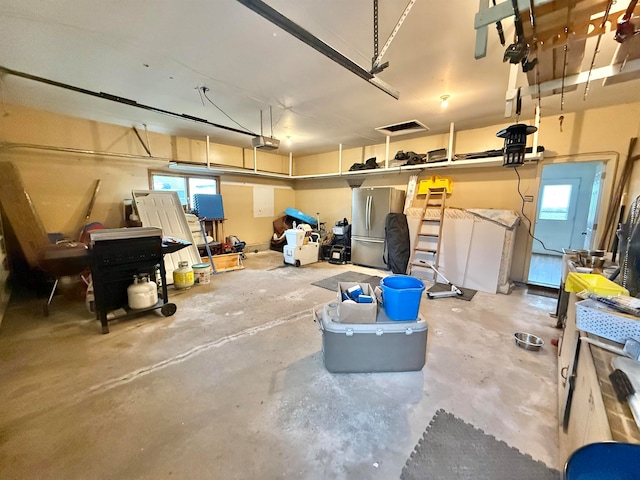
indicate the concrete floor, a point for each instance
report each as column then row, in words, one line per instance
column 233, row 385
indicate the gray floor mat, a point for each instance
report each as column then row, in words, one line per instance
column 331, row 283
column 451, row 449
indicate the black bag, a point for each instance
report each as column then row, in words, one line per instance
column 368, row 165
column 357, row 166
column 415, row 158
column 371, row 163
column 397, row 248
column 401, row 155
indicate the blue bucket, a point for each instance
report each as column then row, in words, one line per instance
column 401, row 296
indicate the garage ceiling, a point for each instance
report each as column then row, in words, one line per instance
column 161, row 53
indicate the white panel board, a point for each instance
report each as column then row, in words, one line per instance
column 263, row 202
column 485, row 256
column 454, row 248
column 163, row 210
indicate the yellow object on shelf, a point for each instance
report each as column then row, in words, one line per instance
column 435, row 181
column 594, row 283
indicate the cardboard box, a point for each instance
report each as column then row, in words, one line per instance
column 357, row 312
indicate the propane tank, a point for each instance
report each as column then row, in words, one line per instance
column 183, row 276
column 142, row 293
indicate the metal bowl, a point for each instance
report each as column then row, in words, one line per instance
column 528, row 341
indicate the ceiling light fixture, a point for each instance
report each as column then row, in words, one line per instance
column 444, row 101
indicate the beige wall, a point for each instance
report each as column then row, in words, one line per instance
column 599, row 134
column 237, row 193
column 61, row 184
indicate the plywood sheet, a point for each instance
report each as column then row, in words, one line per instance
column 163, row 210
column 21, row 213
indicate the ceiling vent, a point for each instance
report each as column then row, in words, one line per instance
column 403, row 128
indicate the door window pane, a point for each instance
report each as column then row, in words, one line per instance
column 555, row 202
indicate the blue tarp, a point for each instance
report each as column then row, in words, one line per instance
column 298, row 215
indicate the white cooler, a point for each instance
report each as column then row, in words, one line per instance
column 383, row 346
column 295, row 237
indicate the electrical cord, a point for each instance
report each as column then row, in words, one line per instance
column 204, row 92
column 201, row 97
column 525, row 216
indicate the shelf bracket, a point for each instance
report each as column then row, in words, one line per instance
column 376, row 62
column 146, row 149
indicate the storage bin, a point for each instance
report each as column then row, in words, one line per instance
column 596, row 318
column 384, row 346
column 357, row 312
column 401, row 296
column 435, row 181
column 595, row 283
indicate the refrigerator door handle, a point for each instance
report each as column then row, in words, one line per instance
column 368, row 213
column 367, row 240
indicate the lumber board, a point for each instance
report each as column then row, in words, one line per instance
column 21, row 214
column 226, row 262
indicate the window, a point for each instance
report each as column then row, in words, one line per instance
column 555, row 202
column 185, row 185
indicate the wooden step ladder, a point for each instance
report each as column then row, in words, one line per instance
column 428, row 238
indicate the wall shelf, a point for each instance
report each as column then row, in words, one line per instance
column 471, row 163
column 218, row 169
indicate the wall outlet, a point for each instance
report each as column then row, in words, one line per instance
column 528, row 198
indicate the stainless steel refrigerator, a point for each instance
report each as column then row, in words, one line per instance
column 369, row 209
